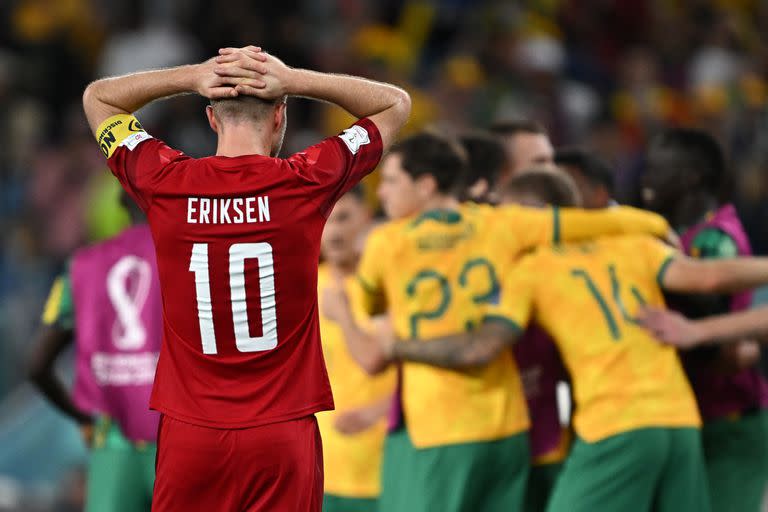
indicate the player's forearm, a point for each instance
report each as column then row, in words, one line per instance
column 363, row 346
column 731, row 275
column 56, row 393
column 464, row 350
column 50, row 342
column 126, row 94
column 732, row 327
column 45, row 379
column 576, row 224
column 358, row 96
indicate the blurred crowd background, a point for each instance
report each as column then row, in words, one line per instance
column 602, row 73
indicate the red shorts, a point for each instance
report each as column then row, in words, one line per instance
column 276, row 468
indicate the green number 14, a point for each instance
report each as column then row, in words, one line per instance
column 605, row 308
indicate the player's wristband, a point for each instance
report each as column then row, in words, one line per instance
column 120, row 130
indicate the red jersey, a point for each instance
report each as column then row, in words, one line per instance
column 238, row 245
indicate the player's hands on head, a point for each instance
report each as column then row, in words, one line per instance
column 250, row 63
column 243, row 72
column 671, row 327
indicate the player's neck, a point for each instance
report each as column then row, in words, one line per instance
column 242, row 139
column 440, row 202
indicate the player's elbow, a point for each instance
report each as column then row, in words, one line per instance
column 90, row 94
column 402, row 105
column 373, row 366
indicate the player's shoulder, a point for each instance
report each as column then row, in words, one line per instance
column 391, row 229
column 628, row 241
column 471, row 208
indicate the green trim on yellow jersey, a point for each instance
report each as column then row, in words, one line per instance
column 556, row 225
column 663, row 270
column 439, row 215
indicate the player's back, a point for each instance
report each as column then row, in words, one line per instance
column 436, row 271
column 238, row 242
column 586, row 296
column 118, row 328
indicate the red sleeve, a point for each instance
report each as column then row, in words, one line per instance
column 141, row 169
column 338, row 163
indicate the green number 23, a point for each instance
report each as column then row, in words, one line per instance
column 610, row 319
column 421, row 279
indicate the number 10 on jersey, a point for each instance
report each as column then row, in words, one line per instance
column 238, row 253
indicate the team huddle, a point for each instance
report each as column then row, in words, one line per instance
column 503, row 269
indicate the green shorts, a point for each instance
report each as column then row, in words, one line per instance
column 333, row 503
column 541, row 483
column 736, row 457
column 120, row 474
column 659, row 469
column 472, row 476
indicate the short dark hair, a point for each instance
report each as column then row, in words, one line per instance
column 515, row 126
column 485, row 157
column 698, row 153
column 550, row 186
column 594, row 169
column 243, row 107
column 434, row 154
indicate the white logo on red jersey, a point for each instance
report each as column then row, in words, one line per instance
column 134, row 139
column 354, row 137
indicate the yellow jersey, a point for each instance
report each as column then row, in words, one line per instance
column 433, row 273
column 586, row 297
column 352, row 463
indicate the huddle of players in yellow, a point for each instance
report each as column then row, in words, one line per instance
column 458, row 283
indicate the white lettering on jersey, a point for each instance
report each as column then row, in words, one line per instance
column 205, row 209
column 264, row 208
column 224, row 211
column 124, row 369
column 237, row 205
column 354, row 137
column 237, row 210
column 191, row 201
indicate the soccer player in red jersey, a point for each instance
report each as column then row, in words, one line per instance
column 237, row 236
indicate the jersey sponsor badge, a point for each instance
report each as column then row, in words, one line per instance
column 354, row 137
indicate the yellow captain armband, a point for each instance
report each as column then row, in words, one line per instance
column 120, row 130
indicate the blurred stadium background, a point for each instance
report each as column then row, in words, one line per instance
column 604, row 73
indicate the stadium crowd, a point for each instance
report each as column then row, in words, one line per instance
column 596, row 74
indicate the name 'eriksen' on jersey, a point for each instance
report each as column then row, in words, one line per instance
column 238, row 210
